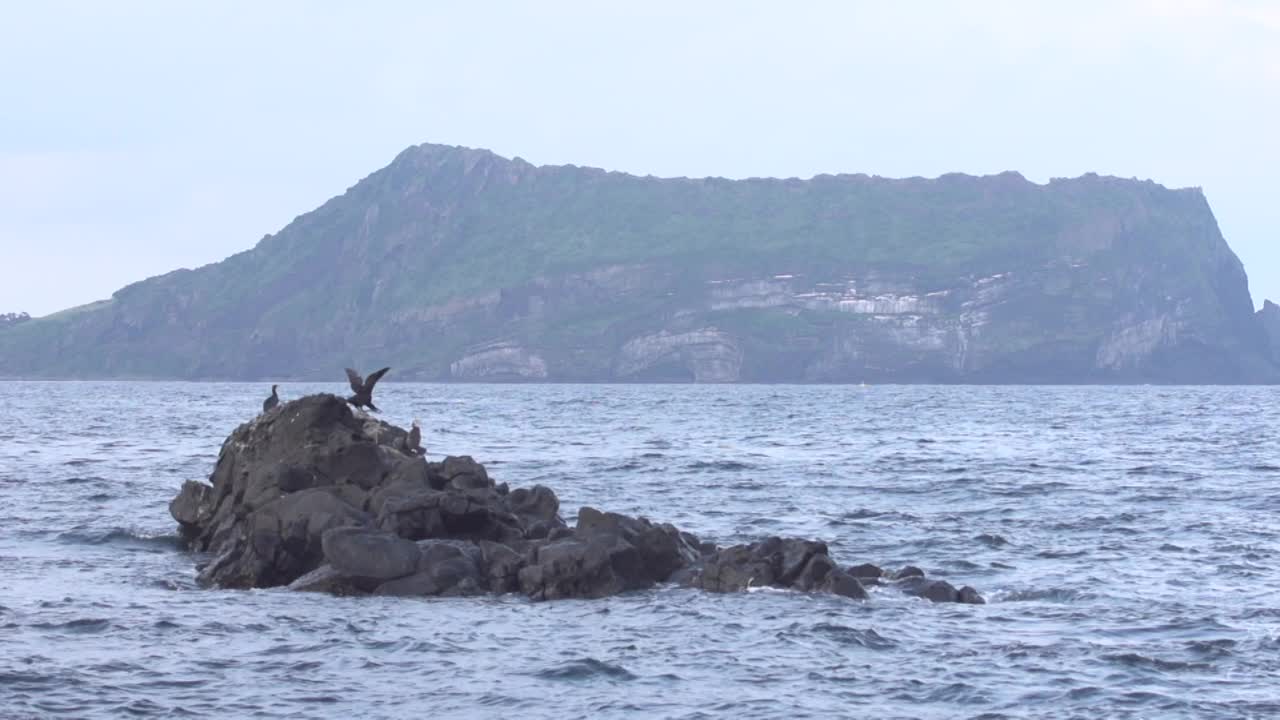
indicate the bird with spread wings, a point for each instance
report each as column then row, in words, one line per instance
column 363, row 388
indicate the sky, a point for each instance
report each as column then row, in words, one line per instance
column 140, row 137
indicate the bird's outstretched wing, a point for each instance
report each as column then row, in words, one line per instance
column 354, row 378
column 373, row 379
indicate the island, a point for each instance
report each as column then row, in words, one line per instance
column 457, row 264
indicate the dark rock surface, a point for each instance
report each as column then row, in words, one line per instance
column 938, row 590
column 319, row 498
column 1269, row 321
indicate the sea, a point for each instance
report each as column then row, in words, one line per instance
column 1127, row 540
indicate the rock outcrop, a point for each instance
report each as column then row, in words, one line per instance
column 10, row 319
column 1269, row 319
column 317, row 497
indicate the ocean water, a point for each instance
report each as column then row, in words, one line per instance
column 1125, row 537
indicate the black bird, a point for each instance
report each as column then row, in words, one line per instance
column 414, row 442
column 272, row 401
column 363, row 388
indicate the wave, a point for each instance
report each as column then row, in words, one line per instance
column 725, row 465
column 122, row 538
column 1216, row 648
column 1137, row 660
column 78, row 626
column 1053, row 595
column 624, row 466
column 854, row 636
column 1157, row 471
column 30, row 681
column 992, row 540
column 1061, row 554
column 585, row 669
column 869, row 514
column 80, row 462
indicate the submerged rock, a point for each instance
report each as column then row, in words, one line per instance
column 938, row 590
column 318, row 498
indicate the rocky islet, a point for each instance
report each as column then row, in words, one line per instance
column 316, row 497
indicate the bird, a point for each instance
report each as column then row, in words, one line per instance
column 271, row 402
column 414, row 442
column 363, row 388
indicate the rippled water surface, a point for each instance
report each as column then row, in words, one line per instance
column 1125, row 537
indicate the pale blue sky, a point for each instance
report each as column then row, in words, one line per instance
column 138, row 137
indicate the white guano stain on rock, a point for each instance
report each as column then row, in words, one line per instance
column 503, row 361
column 1129, row 345
column 709, row 354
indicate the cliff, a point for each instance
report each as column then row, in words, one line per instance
column 1269, row 320
column 458, row 264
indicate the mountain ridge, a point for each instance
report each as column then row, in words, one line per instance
column 459, row 264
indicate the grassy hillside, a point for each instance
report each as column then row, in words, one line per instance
column 380, row 271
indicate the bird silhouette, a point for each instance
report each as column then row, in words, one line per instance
column 363, row 388
column 414, row 442
column 272, row 401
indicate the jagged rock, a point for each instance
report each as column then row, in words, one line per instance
column 280, row 541
column 502, row 566
column 1269, row 321
column 435, row 552
column 866, row 570
column 662, row 549
column 938, row 590
column 326, row 579
column 313, row 464
column 774, row 562
column 319, row 498
column 907, row 572
column 416, row 518
column 192, row 505
column 461, row 473
column 453, row 513
column 360, row 552
column 606, row 554
column 445, row 567
column 934, row 590
column 842, row 583
column 815, row 573
column 598, row 566
column 536, row 505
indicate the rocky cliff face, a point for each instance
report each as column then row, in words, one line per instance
column 456, row 264
column 1269, row 320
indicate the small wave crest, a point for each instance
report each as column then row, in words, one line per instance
column 1137, row 660
column 1053, row 595
column 78, row 626
column 992, row 540
column 722, row 465
column 122, row 538
column 846, row 635
column 585, row 669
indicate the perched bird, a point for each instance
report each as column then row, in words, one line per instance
column 272, row 401
column 363, row 388
column 414, row 442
